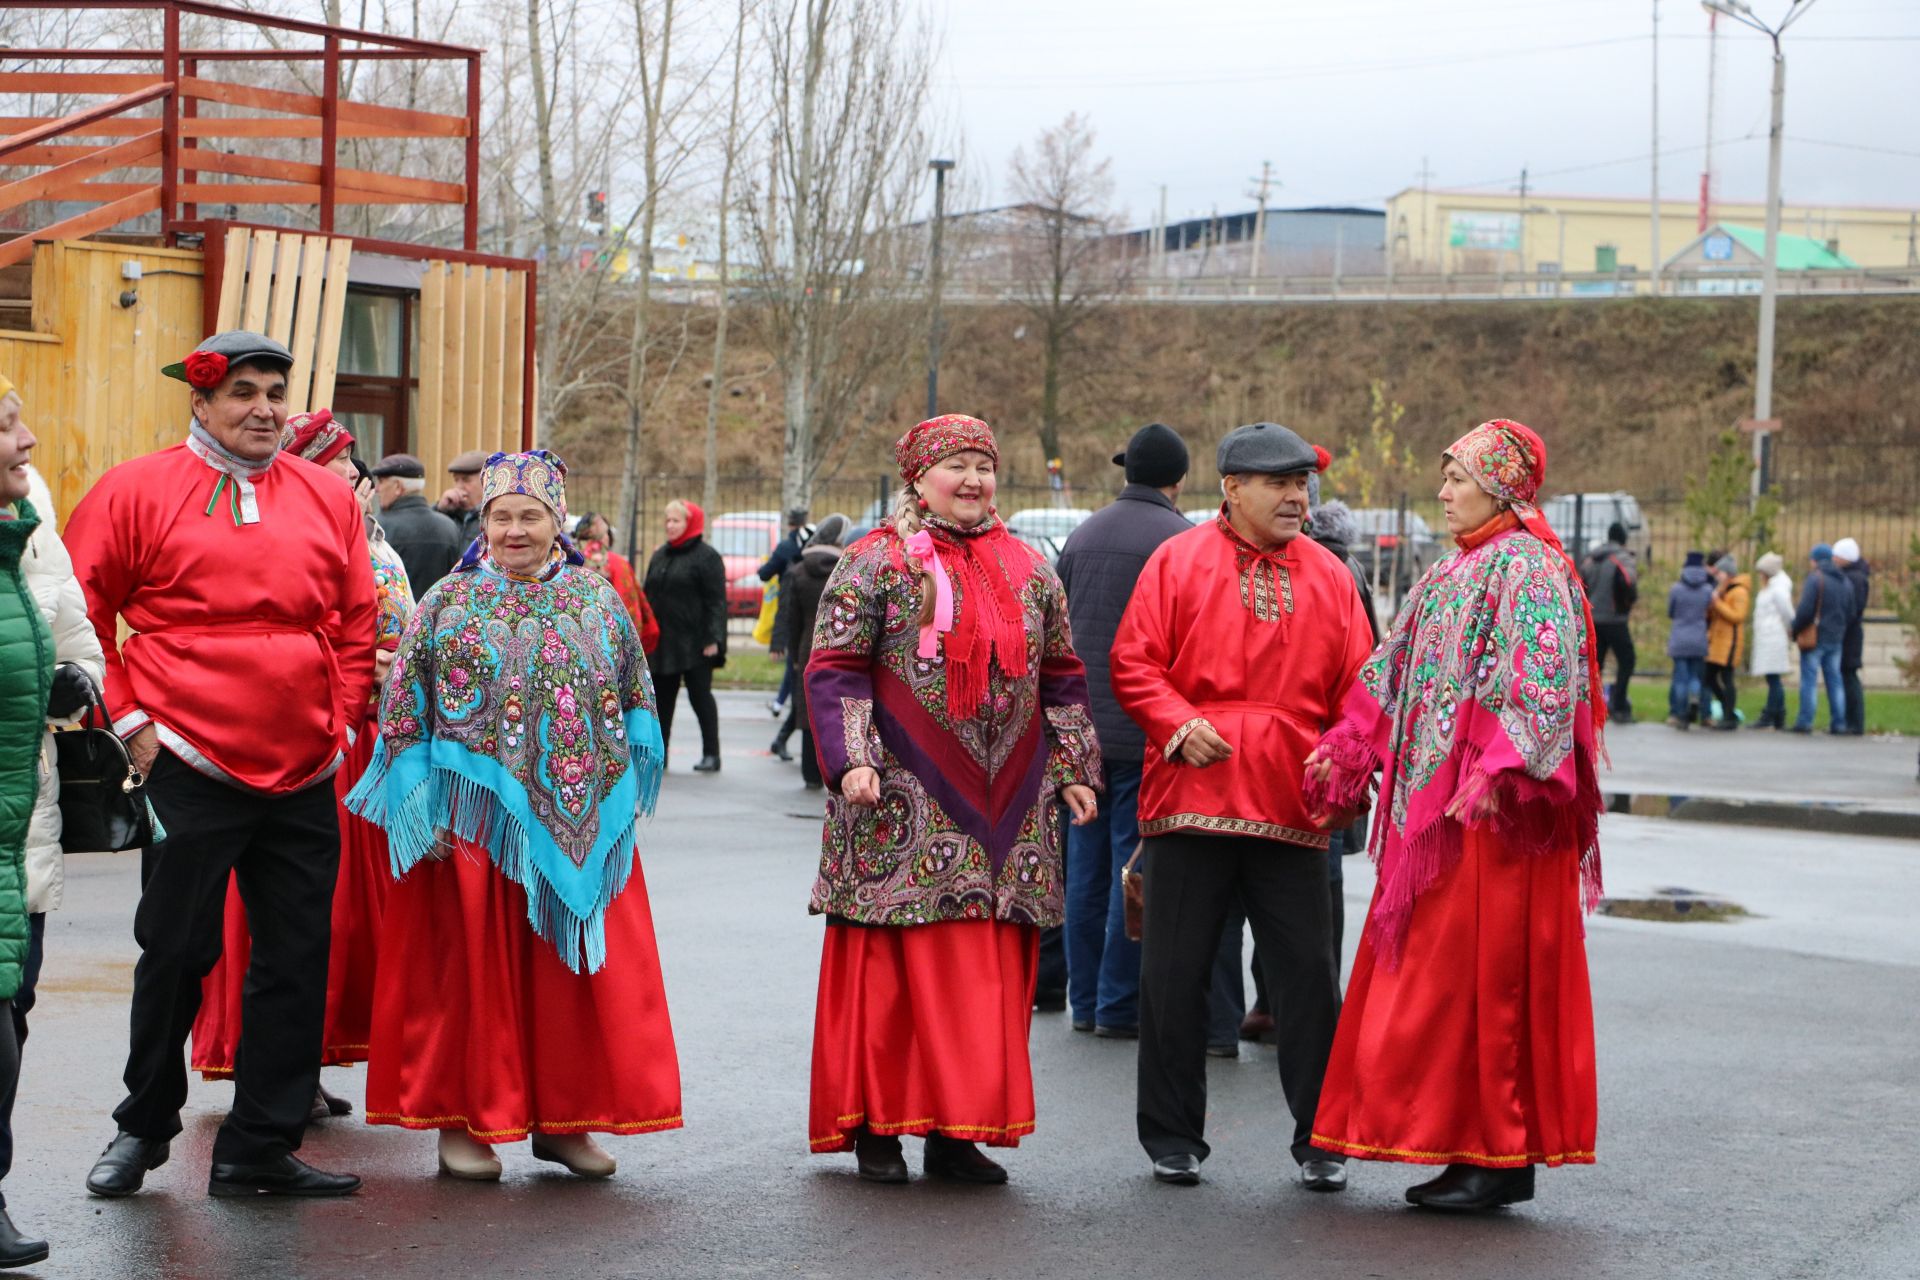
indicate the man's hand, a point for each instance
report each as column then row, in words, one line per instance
column 144, row 747
column 861, row 786
column 710, row 651
column 456, row 498
column 778, row 655
column 1083, row 802
column 1203, row 747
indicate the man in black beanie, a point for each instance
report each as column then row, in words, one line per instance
column 1102, row 560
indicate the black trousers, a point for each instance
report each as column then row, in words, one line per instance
column 699, row 683
column 1617, row 638
column 285, row 853
column 1192, row 882
column 1719, row 682
column 13, row 1037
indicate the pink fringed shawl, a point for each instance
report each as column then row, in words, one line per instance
column 1485, row 682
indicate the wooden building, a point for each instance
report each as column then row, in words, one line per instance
column 111, row 267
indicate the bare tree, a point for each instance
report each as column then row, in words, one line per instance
column 710, row 492
column 847, row 83
column 1065, row 263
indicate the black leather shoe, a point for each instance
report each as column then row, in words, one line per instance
column 1324, row 1175
column 1467, row 1188
column 1083, row 1024
column 707, row 764
column 286, row 1176
column 878, row 1157
column 328, row 1105
column 1181, row 1170
column 961, row 1161
column 779, row 748
column 1104, row 1032
column 15, row 1249
column 124, row 1165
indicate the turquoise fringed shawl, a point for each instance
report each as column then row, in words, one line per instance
column 520, row 717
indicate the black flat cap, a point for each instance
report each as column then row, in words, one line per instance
column 1267, row 448
column 404, row 465
column 239, row 346
column 1156, row 456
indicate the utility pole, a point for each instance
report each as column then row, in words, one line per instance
column 1706, row 164
column 1426, row 176
column 1260, row 217
column 1160, row 239
column 1913, row 239
column 1654, row 177
column 1523, row 219
column 939, row 168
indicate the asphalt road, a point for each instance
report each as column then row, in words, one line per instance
column 1758, row 1109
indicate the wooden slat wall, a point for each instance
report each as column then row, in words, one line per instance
column 472, row 374
column 291, row 287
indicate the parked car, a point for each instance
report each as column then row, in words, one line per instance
column 1048, row 522
column 1048, row 547
column 744, row 540
column 1593, row 512
column 1393, row 554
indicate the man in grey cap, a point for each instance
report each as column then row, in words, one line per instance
column 1099, row 566
column 461, row 501
column 428, row 541
column 1233, row 656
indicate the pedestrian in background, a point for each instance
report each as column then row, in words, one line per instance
column 1688, row 602
column 1239, row 643
column 1819, row 627
column 592, row 528
column 428, row 541
column 951, row 718
column 1467, row 1037
column 1098, row 566
column 801, row 587
column 27, row 693
column 1726, row 634
column 774, row 569
column 1612, row 582
column 1859, row 575
column 461, row 500
column 1772, row 646
column 520, row 990
column 687, row 587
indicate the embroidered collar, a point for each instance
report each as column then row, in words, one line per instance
column 237, row 475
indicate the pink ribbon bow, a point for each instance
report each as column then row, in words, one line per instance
column 921, row 547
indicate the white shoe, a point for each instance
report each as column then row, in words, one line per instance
column 464, row 1157
column 577, row 1151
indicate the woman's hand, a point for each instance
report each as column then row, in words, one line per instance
column 1472, row 811
column 442, row 845
column 1083, row 802
column 710, row 651
column 862, row 787
column 382, row 668
column 1319, row 768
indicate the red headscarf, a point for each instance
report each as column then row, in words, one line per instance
column 696, row 525
column 316, row 436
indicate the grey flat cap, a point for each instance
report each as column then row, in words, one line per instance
column 239, row 346
column 1267, row 448
column 400, row 464
column 469, row 463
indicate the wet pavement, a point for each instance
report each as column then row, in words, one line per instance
column 1758, row 1113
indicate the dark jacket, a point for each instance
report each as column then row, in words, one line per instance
column 428, row 541
column 1359, row 579
column 1687, row 605
column 801, row 587
column 466, row 523
column 1608, row 573
column 1099, row 566
column 1826, row 595
column 1859, row 576
column 785, row 552
column 687, row 587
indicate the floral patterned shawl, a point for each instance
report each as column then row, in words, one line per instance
column 520, row 717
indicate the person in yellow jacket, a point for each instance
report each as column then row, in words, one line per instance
column 1727, row 615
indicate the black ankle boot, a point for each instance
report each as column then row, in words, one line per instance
column 961, row 1161
column 879, row 1157
column 15, row 1249
column 1468, row 1188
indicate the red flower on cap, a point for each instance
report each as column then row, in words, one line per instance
column 1321, row 459
column 205, row 369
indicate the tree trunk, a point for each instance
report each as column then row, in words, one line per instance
column 549, row 212
column 710, row 491
column 653, row 92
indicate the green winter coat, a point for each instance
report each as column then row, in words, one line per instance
column 26, row 673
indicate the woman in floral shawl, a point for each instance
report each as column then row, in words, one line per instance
column 1467, row 1036
column 951, row 719
column 520, row 988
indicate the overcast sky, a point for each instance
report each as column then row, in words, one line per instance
column 1346, row 97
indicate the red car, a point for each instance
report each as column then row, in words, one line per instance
column 744, row 540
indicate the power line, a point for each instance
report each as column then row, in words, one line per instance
column 1855, row 146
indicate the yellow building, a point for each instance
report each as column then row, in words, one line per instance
column 1474, row 232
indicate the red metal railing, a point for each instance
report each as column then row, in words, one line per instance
column 171, row 142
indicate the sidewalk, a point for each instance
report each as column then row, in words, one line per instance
column 1813, row 782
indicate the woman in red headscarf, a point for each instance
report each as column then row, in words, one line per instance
column 1467, row 1036
column 687, row 587
column 360, row 892
column 951, row 719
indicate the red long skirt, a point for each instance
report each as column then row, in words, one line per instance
column 359, row 895
column 922, row 1029
column 478, row 1025
column 1478, row 1049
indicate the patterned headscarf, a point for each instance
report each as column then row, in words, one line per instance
column 316, row 436
column 942, row 437
column 539, row 474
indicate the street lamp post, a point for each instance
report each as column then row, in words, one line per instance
column 1742, row 12
column 939, row 168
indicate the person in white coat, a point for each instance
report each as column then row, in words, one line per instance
column 1773, row 655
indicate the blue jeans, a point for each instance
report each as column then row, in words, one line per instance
column 1775, row 712
column 1685, row 690
column 1815, row 665
column 1103, row 964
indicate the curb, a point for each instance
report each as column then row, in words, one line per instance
column 1826, row 817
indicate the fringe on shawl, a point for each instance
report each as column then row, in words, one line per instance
column 1354, row 761
column 448, row 800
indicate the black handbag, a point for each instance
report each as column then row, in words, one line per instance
column 103, row 801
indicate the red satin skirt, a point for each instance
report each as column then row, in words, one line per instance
column 478, row 1025
column 924, row 1028
column 359, row 896
column 1478, row 1049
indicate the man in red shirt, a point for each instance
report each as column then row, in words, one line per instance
column 242, row 575
column 1233, row 655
